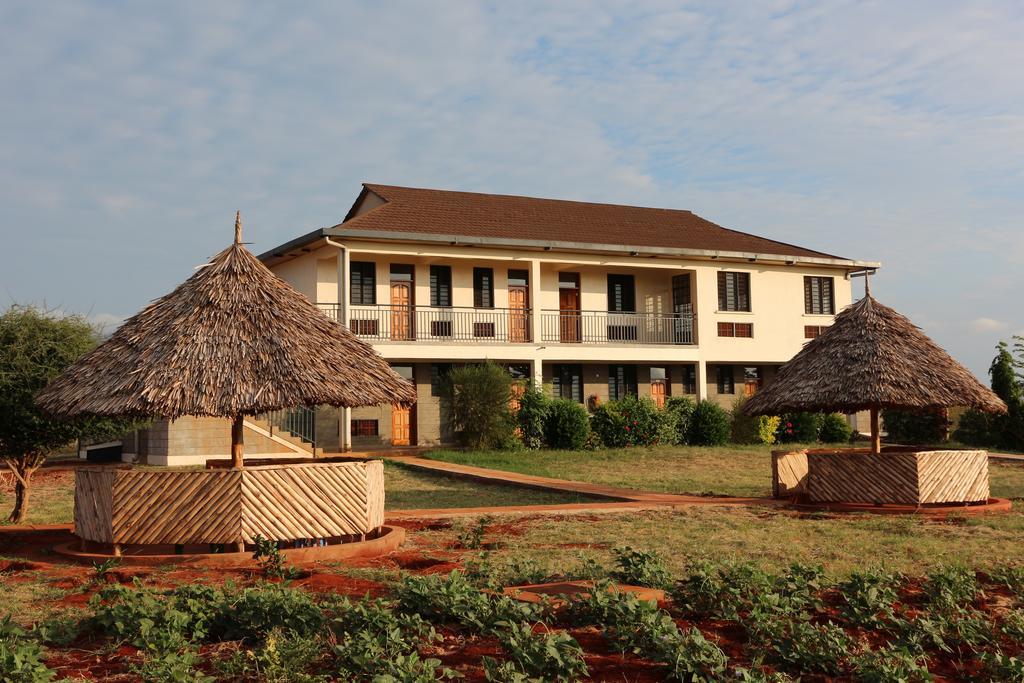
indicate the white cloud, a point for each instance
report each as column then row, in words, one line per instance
column 982, row 325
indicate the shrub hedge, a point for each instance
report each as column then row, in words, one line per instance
column 566, row 424
column 710, row 425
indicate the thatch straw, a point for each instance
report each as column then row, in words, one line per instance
column 232, row 340
column 871, row 358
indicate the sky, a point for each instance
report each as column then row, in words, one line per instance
column 131, row 132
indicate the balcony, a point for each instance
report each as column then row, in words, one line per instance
column 605, row 327
column 513, row 325
column 437, row 324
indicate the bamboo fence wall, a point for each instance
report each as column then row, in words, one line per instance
column 905, row 478
column 277, row 502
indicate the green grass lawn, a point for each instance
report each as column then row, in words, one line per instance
column 725, row 471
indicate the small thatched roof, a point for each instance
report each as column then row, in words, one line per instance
column 234, row 339
column 871, row 357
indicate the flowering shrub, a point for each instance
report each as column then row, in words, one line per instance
column 753, row 428
column 799, row 428
column 632, row 421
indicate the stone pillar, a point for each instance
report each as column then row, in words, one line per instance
column 702, row 380
column 535, row 314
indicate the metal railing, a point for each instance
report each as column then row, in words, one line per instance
column 440, row 324
column 606, row 327
column 299, row 422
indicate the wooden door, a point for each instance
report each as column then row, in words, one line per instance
column 518, row 314
column 401, row 310
column 659, row 390
column 401, row 425
column 569, row 315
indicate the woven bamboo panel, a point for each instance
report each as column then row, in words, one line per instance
column 953, row 476
column 898, row 478
column 789, row 473
column 306, row 501
column 93, row 504
column 196, row 506
column 278, row 502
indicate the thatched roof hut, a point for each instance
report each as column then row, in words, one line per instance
column 871, row 358
column 232, row 340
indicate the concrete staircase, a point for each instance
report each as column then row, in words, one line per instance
column 283, row 437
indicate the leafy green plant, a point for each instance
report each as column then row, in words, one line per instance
column 640, row 568
column 632, row 421
column 475, row 404
column 270, row 559
column 170, row 666
column 803, row 647
column 868, row 597
column 751, row 429
column 472, row 537
column 251, row 613
column 892, row 665
column 552, row 656
column 915, row 427
column 800, row 427
column 1012, row 625
column 951, row 588
column 720, row 590
column 531, row 417
column 1002, row 667
column 709, row 425
column 278, row 659
column 566, row 424
column 101, row 569
column 139, row 614
column 834, row 429
column 453, row 599
column 21, row 659
column 690, row 657
column 1011, row 576
column 679, row 410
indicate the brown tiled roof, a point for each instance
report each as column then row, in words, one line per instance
column 528, row 219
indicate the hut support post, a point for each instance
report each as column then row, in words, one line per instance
column 876, row 435
column 236, row 442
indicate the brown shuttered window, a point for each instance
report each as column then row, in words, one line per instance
column 483, row 288
column 725, row 379
column 819, row 297
column 744, row 330
column 733, row 291
column 814, row 331
column 362, row 283
column 364, row 428
column 567, row 382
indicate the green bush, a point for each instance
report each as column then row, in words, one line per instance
column 914, row 428
column 710, row 425
column 531, row 420
column 566, row 424
column 680, row 415
column 632, row 421
column 800, row 428
column 834, row 429
column 476, row 405
column 640, row 568
column 750, row 429
column 21, row 659
column 975, row 429
column 543, row 657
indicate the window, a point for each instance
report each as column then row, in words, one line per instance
column 733, row 291
column 362, row 279
column 814, row 331
column 745, row 330
column 818, row 296
column 567, row 382
column 364, row 428
column 518, row 278
column 568, row 280
column 621, row 294
column 441, row 286
column 621, row 381
column 438, row 373
column 483, row 287
column 724, row 376
column 658, row 374
column 401, row 272
column 519, row 372
column 689, row 379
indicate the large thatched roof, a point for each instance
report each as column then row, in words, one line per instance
column 871, row 357
column 234, row 339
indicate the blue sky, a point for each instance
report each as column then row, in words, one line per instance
column 876, row 130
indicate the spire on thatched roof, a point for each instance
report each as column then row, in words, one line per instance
column 232, row 340
column 871, row 358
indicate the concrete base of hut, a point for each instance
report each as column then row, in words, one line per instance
column 381, row 542
column 898, row 476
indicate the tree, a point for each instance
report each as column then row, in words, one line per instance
column 477, row 399
column 1008, row 384
column 35, row 347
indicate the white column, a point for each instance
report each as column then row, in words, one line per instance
column 345, row 419
column 535, row 306
column 537, row 368
column 702, row 380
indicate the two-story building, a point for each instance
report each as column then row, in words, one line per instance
column 592, row 301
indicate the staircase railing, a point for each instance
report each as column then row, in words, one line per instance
column 299, row 422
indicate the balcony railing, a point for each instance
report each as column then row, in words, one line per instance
column 605, row 327
column 437, row 323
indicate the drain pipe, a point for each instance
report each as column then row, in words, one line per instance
column 345, row 428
